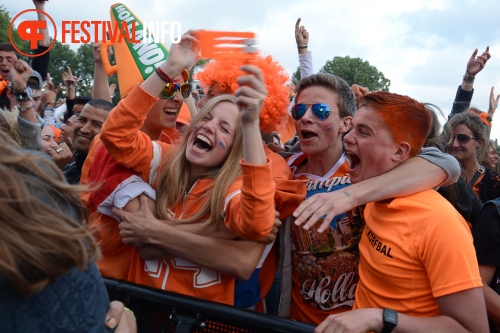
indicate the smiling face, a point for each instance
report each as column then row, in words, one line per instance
column 164, row 112
column 211, row 138
column 87, row 126
column 369, row 146
column 48, row 138
column 68, row 129
column 460, row 150
column 7, row 60
column 491, row 158
column 320, row 137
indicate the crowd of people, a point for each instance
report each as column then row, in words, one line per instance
column 369, row 216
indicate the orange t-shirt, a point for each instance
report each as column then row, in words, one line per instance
column 249, row 208
column 413, row 250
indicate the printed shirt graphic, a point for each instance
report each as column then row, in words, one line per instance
column 325, row 265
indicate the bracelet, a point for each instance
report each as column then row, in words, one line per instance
column 163, row 75
column 468, row 78
column 302, row 46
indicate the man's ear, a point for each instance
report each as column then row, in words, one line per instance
column 402, row 152
column 346, row 124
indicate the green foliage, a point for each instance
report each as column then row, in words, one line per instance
column 5, row 19
column 61, row 56
column 296, row 76
column 357, row 71
column 200, row 64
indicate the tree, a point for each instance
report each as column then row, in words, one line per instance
column 5, row 19
column 61, row 56
column 357, row 71
column 296, row 76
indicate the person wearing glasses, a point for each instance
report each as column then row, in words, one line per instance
column 325, row 257
column 158, row 128
column 464, row 137
column 216, row 182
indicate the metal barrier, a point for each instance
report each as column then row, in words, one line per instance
column 159, row 311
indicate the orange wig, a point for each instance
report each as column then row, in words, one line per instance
column 219, row 77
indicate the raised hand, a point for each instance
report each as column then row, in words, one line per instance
column 185, row 53
column 301, row 34
column 19, row 75
column 476, row 64
column 493, row 102
column 68, row 78
column 251, row 94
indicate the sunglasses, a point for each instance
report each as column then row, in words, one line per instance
column 172, row 88
column 320, row 110
column 463, row 138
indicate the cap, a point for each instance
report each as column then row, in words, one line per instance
column 35, row 81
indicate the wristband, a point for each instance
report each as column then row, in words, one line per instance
column 468, row 78
column 302, row 46
column 23, row 109
column 163, row 75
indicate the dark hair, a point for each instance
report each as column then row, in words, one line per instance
column 83, row 100
column 7, row 47
column 347, row 101
column 101, row 104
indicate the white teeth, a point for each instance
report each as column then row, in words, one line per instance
column 204, row 139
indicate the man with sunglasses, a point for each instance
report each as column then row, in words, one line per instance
column 324, row 258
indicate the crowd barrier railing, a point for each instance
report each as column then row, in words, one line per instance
column 159, row 311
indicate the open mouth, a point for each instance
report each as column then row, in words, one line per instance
column 202, row 143
column 308, row 135
column 5, row 72
column 354, row 161
column 170, row 112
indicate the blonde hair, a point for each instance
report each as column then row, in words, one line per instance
column 172, row 182
column 41, row 221
column 8, row 125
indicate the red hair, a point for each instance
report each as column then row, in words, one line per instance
column 219, row 77
column 406, row 119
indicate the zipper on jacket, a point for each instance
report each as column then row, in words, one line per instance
column 185, row 199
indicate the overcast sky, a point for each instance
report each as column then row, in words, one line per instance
column 421, row 46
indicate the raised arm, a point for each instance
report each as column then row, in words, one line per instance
column 463, row 97
column 101, row 87
column 305, row 58
column 121, row 133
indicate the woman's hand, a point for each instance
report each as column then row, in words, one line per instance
column 251, row 94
